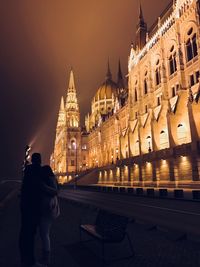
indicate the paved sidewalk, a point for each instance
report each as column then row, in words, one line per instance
column 153, row 248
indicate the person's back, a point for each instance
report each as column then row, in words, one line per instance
column 51, row 190
column 49, row 210
column 48, row 177
column 30, row 190
column 30, row 210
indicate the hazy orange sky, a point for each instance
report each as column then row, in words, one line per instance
column 40, row 40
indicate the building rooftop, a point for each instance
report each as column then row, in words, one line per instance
column 163, row 16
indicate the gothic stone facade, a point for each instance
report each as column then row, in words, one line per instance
column 153, row 137
column 70, row 148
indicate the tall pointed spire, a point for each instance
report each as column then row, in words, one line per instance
column 141, row 18
column 61, row 114
column 71, row 101
column 108, row 74
column 141, row 30
column 119, row 70
column 72, row 107
column 120, row 80
column 71, row 81
column 62, row 106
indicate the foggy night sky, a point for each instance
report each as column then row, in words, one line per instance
column 40, row 40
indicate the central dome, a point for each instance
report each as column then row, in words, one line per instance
column 104, row 99
column 106, row 91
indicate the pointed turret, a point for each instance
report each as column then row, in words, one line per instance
column 71, row 101
column 120, row 80
column 141, row 18
column 62, row 105
column 71, row 81
column 122, row 92
column 61, row 114
column 141, row 30
column 72, row 108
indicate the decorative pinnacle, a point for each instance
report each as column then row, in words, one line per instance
column 141, row 13
column 71, row 80
column 119, row 70
column 108, row 75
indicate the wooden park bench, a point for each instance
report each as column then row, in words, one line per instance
column 108, row 228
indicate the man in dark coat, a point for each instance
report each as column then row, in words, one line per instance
column 30, row 210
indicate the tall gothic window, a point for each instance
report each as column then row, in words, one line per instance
column 146, row 109
column 172, row 61
column 194, row 78
column 145, row 84
column 157, row 74
column 73, row 144
column 173, row 92
column 158, row 78
column 191, row 45
column 145, row 87
column 136, row 96
column 158, row 101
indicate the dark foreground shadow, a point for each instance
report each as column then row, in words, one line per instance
column 83, row 255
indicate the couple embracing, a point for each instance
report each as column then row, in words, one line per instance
column 39, row 207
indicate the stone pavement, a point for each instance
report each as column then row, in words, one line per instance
column 153, row 248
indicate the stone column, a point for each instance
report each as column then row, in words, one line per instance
column 195, row 167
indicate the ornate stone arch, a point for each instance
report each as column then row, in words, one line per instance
column 144, row 79
column 157, row 69
column 186, row 25
column 191, row 41
column 172, row 56
column 73, row 144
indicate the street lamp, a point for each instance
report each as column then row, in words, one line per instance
column 117, row 151
column 112, row 159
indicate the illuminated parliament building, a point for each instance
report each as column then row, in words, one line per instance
column 143, row 130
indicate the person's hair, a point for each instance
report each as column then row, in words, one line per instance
column 47, row 171
column 36, row 158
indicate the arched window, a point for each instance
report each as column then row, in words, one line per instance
column 191, row 45
column 73, row 144
column 157, row 74
column 145, row 87
column 194, row 45
column 181, row 134
column 158, row 100
column 172, row 61
column 164, row 143
column 136, row 96
column 145, row 84
column 173, row 92
column 146, row 109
